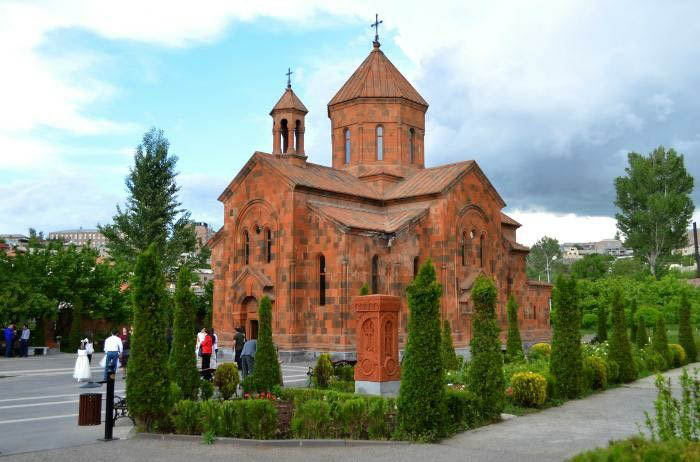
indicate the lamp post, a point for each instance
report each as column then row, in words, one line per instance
column 554, row 257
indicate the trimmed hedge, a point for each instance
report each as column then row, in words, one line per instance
column 449, row 357
column 514, row 345
column 595, row 373
column 539, row 351
column 566, row 364
column 529, row 389
column 266, row 373
column 678, row 355
column 620, row 349
column 323, row 371
column 250, row 418
column 226, row 380
column 463, row 410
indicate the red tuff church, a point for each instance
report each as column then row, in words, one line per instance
column 310, row 236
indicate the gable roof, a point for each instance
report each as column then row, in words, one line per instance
column 428, row 180
column 289, row 100
column 506, row 220
column 377, row 77
column 386, row 221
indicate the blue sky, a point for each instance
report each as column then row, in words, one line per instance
column 548, row 97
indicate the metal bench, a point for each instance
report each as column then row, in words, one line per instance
column 120, row 409
column 39, row 350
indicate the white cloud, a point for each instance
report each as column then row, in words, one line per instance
column 563, row 227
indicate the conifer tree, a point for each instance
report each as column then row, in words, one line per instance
column 632, row 323
column 485, row 378
column 602, row 332
column 148, row 385
column 566, row 363
column 449, row 356
column 514, row 345
column 421, row 402
column 642, row 335
column 266, row 373
column 659, row 340
column 620, row 348
column 685, row 330
column 183, row 363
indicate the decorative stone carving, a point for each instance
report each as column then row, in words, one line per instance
column 377, row 343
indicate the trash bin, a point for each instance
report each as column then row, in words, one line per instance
column 90, row 409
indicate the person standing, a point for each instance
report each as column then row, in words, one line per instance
column 125, row 337
column 238, row 342
column 9, row 337
column 113, row 348
column 82, row 372
column 207, row 347
column 248, row 357
column 89, row 347
column 24, row 341
column 200, row 338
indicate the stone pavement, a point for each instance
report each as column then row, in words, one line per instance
column 550, row 435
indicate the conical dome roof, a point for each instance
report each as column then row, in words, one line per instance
column 377, row 77
column 289, row 100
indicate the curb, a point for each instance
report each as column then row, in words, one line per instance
column 269, row 443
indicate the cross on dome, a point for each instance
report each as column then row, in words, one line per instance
column 376, row 24
column 289, row 79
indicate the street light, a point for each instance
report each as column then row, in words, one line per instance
column 554, row 257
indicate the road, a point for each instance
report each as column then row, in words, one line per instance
column 39, row 402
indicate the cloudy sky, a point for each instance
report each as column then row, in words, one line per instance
column 548, row 96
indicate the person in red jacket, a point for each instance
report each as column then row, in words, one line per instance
column 207, row 346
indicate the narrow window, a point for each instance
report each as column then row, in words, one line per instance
column 347, row 145
column 321, row 280
column 380, row 143
column 415, row 267
column 297, row 133
column 375, row 274
column 411, row 143
column 268, row 238
column 246, row 247
column 285, row 135
column 481, row 250
column 464, row 248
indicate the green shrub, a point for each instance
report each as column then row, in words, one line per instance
column 266, row 373
column 485, row 377
column 566, row 364
column 311, row 420
column 206, row 390
column 323, row 371
column 260, row 418
column 685, row 329
column 656, row 362
column 183, row 363
column 186, row 418
column 212, row 417
column 539, row 351
column 232, row 418
column 226, row 380
column 341, row 385
column 620, row 349
column 676, row 419
column 514, row 345
column 463, row 410
column 613, row 371
column 364, row 290
column 248, row 384
column 449, row 357
column 589, row 321
column 345, row 372
column 659, row 341
column 595, row 373
column 642, row 335
column 639, row 449
column 678, row 355
column 421, row 401
column 602, row 324
column 378, row 419
column 148, row 386
column 648, row 315
column 632, row 322
column 529, row 389
column 175, row 393
column 352, row 414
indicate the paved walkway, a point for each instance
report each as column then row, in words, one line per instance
column 551, row 435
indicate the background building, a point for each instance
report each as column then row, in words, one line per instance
column 81, row 237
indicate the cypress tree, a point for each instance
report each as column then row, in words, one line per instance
column 421, row 402
column 659, row 341
column 449, row 357
column 620, row 348
column 148, row 386
column 642, row 335
column 685, row 329
column 602, row 333
column 485, row 378
column 183, row 363
column 633, row 324
column 566, row 363
column 514, row 345
column 266, row 373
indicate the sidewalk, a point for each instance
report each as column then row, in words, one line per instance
column 549, row 436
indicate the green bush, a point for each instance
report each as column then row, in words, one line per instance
column 206, row 390
column 595, row 373
column 341, row 385
column 266, row 373
column 529, row 389
column 186, row 418
column 345, row 372
column 642, row 335
column 678, row 355
column 514, row 345
column 648, row 315
column 676, row 419
column 183, row 363
column 659, row 341
column 226, row 380
column 463, row 410
column 613, row 371
column 449, row 357
column 323, row 371
column 148, row 386
column 602, row 324
column 539, row 351
column 311, row 420
column 632, row 322
column 639, row 449
column 212, row 417
column 566, row 364
column 685, row 329
column 175, row 393
column 364, row 290
column 485, row 377
column 260, row 418
column 232, row 419
column 589, row 321
column 352, row 414
column 421, row 401
column 620, row 349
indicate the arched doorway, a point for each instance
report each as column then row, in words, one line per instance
column 250, row 311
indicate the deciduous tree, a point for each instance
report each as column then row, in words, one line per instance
column 544, row 259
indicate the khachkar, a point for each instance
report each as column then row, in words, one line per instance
column 377, row 371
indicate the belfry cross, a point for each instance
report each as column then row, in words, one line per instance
column 376, row 24
column 289, row 77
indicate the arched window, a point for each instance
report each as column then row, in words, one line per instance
column 481, row 250
column 464, row 248
column 375, row 274
column 380, row 143
column 246, row 247
column 415, row 267
column 347, row 145
column 284, row 131
column 268, row 244
column 321, row 280
column 411, row 144
column 297, row 134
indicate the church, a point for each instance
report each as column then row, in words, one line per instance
column 310, row 236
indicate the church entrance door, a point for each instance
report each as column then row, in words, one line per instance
column 250, row 313
column 253, row 329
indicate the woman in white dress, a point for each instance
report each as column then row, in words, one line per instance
column 82, row 365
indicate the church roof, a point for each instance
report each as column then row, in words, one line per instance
column 506, row 220
column 377, row 77
column 289, row 100
column 428, row 181
column 387, row 221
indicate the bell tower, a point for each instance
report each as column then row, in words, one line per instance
column 288, row 123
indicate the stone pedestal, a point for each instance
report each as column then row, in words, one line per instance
column 377, row 342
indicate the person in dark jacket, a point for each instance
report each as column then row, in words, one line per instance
column 238, row 342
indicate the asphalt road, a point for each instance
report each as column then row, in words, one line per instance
column 39, row 402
